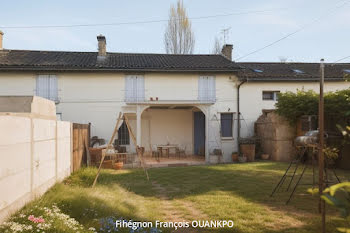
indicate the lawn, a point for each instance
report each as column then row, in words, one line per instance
column 238, row 192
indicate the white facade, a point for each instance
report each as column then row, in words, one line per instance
column 98, row 98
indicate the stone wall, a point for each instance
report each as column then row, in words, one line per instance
column 276, row 136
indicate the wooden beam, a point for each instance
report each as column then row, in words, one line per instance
column 138, row 149
column 108, row 147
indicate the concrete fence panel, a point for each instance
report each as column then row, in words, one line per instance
column 35, row 153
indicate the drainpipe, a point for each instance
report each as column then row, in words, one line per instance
column 239, row 118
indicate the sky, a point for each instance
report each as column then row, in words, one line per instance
column 260, row 23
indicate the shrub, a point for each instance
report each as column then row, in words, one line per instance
column 294, row 105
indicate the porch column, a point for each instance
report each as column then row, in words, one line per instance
column 138, row 124
column 207, row 116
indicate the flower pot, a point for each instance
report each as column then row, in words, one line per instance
column 265, row 156
column 234, row 157
column 118, row 165
column 242, row 159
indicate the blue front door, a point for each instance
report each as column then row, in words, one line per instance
column 199, row 133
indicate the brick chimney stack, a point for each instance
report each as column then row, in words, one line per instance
column 102, row 52
column 227, row 51
column 1, row 36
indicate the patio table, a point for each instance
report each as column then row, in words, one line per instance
column 166, row 148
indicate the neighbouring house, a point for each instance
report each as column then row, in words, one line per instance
column 189, row 100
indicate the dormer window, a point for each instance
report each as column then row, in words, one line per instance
column 297, row 71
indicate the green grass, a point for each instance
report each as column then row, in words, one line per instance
column 238, row 192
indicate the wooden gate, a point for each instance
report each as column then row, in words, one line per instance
column 81, row 143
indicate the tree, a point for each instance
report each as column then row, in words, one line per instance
column 179, row 37
column 217, row 46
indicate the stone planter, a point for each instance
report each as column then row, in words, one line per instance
column 242, row 159
column 214, row 159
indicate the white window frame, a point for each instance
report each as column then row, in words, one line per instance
column 134, row 88
column 47, row 87
column 207, row 89
column 274, row 97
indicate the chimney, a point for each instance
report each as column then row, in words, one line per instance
column 227, row 51
column 1, row 35
column 101, row 45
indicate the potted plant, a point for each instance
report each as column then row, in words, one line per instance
column 265, row 156
column 118, row 165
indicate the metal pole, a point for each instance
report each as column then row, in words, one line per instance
column 320, row 149
column 239, row 117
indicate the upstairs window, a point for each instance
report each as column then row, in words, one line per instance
column 47, row 87
column 270, row 95
column 206, row 89
column 226, row 125
column 134, row 88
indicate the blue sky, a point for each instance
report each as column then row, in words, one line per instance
column 328, row 38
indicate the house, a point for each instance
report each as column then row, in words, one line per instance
column 188, row 100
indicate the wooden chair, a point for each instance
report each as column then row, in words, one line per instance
column 180, row 151
column 155, row 151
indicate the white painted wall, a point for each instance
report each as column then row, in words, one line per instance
column 99, row 97
column 252, row 103
column 160, row 125
column 32, row 158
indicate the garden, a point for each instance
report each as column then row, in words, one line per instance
column 237, row 192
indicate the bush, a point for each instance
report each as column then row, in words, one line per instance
column 294, row 105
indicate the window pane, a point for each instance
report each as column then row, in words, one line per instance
column 226, row 124
column 268, row 95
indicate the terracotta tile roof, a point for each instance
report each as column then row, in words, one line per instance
column 55, row 60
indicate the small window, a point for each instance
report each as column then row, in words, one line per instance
column 226, row 124
column 47, row 87
column 270, row 95
column 347, row 71
column 123, row 135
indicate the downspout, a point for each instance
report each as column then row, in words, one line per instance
column 239, row 117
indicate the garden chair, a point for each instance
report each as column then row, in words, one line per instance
column 180, row 151
column 155, row 152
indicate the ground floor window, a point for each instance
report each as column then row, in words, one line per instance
column 226, row 124
column 123, row 135
column 270, row 95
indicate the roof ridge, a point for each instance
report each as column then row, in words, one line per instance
column 125, row 53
